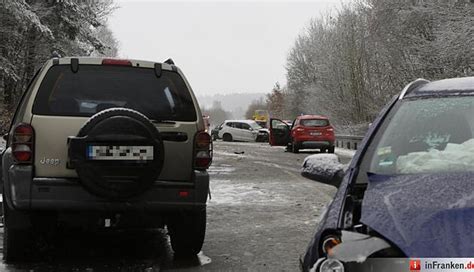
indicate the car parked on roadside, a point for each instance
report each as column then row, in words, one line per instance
column 306, row 132
column 242, row 130
column 101, row 143
column 408, row 191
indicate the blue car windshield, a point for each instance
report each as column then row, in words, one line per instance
column 429, row 135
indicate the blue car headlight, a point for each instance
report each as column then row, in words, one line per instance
column 331, row 265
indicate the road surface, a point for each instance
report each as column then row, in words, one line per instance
column 261, row 216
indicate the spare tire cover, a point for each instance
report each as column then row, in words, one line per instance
column 117, row 154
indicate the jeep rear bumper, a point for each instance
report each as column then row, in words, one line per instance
column 62, row 194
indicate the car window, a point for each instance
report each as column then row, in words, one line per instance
column 245, row 126
column 238, row 125
column 426, row 136
column 314, row 122
column 97, row 87
column 255, row 126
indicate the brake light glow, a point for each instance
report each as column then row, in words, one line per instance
column 202, row 150
column 116, row 62
column 183, row 193
column 22, row 143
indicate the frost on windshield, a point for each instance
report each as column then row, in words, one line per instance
column 455, row 157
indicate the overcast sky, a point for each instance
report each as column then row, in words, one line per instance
column 222, row 46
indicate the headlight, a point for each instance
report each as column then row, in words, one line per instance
column 331, row 265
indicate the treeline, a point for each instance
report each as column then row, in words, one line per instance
column 347, row 65
column 31, row 30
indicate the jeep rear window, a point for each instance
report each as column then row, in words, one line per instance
column 97, row 87
column 314, row 122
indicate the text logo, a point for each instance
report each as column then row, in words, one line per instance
column 415, row 265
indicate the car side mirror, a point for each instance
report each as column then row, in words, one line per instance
column 5, row 136
column 324, row 168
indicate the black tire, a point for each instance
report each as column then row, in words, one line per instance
column 117, row 179
column 17, row 236
column 294, row 147
column 227, row 137
column 331, row 149
column 187, row 231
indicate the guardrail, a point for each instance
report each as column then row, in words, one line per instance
column 348, row 141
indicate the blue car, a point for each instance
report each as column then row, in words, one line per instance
column 409, row 190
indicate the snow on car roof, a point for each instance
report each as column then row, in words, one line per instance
column 448, row 86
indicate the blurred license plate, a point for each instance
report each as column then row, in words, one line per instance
column 315, row 133
column 120, row 152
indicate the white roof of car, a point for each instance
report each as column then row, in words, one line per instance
column 240, row 121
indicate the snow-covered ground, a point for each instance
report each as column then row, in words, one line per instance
column 345, row 152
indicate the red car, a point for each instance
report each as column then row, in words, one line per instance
column 307, row 132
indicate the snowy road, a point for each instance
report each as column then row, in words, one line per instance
column 260, row 218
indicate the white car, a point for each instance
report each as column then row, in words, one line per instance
column 242, row 130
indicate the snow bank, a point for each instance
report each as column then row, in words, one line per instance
column 455, row 157
column 317, row 164
column 345, row 152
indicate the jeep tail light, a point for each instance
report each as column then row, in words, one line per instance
column 22, row 143
column 202, row 150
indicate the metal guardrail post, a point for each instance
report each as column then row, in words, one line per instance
column 348, row 141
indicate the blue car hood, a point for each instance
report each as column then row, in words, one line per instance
column 429, row 215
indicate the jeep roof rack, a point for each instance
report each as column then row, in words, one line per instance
column 411, row 86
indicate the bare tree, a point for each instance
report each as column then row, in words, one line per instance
column 349, row 63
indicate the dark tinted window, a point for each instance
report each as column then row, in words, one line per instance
column 95, row 87
column 245, row 126
column 314, row 122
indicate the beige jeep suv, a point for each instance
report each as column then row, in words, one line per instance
column 106, row 143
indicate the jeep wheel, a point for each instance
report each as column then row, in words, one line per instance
column 187, row 231
column 117, row 154
column 16, row 236
column 227, row 137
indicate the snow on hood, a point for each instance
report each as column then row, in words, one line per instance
column 322, row 163
column 429, row 215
